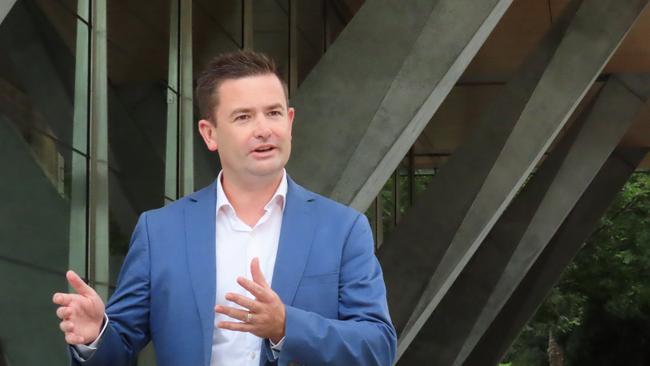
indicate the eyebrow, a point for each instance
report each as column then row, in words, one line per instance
column 240, row 110
column 274, row 106
column 249, row 110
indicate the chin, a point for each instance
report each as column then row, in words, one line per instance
column 267, row 171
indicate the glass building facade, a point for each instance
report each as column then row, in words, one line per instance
column 97, row 125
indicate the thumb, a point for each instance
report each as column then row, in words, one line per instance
column 256, row 273
column 78, row 284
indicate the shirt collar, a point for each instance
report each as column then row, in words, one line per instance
column 279, row 196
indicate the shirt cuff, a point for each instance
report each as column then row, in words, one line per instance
column 82, row 351
column 276, row 347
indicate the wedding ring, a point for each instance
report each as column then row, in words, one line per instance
column 249, row 317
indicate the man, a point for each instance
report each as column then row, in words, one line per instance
column 293, row 274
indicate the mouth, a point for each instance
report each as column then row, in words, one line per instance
column 263, row 149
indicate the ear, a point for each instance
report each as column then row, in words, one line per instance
column 208, row 131
column 291, row 113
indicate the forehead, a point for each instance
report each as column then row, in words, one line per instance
column 250, row 92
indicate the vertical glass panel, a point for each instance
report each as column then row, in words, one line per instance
column 334, row 23
column 70, row 5
column 138, row 44
column 39, row 161
column 311, row 36
column 217, row 28
column 271, row 31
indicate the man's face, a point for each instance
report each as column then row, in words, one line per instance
column 253, row 127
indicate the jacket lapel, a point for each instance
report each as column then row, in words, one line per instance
column 200, row 224
column 296, row 236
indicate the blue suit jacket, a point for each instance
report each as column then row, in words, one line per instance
column 325, row 273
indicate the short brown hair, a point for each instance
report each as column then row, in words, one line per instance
column 232, row 65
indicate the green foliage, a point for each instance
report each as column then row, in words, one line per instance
column 600, row 309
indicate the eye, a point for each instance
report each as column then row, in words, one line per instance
column 242, row 117
column 275, row 113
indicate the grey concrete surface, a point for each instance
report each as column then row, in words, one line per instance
column 428, row 227
column 613, row 112
column 497, row 162
column 378, row 85
column 527, row 225
column 546, row 271
column 5, row 7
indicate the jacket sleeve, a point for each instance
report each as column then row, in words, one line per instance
column 128, row 309
column 363, row 333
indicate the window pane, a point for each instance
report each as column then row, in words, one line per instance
column 217, row 28
column 311, row 36
column 271, row 31
column 43, row 181
column 138, row 56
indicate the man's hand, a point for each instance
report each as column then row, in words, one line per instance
column 267, row 313
column 81, row 314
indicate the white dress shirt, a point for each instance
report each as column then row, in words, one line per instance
column 236, row 246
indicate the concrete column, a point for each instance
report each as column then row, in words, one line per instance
column 367, row 100
column 547, row 269
column 526, row 227
column 441, row 233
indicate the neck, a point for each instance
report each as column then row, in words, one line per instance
column 249, row 198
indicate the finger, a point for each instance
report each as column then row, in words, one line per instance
column 66, row 326
column 244, row 301
column 78, row 284
column 64, row 312
column 232, row 312
column 257, row 274
column 72, row 338
column 260, row 293
column 239, row 327
column 64, row 299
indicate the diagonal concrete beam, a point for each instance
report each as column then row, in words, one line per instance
column 477, row 184
column 5, row 7
column 527, row 225
column 547, row 269
column 613, row 113
column 429, row 228
column 378, row 85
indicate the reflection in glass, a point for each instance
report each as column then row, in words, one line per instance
column 37, row 160
column 271, row 31
column 138, row 41
column 311, row 36
column 217, row 28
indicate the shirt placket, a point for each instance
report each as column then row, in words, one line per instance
column 252, row 251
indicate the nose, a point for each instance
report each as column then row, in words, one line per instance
column 262, row 130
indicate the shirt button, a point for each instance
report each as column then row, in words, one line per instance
column 252, row 354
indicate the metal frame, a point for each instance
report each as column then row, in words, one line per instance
column 247, row 25
column 98, row 220
column 77, row 255
column 186, row 112
column 171, row 145
column 293, row 47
